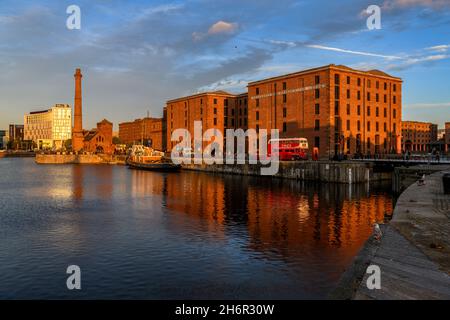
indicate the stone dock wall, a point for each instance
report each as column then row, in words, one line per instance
column 403, row 177
column 79, row 159
column 322, row 171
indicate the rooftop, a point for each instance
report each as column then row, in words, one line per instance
column 376, row 73
column 220, row 93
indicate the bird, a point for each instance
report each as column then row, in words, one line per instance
column 377, row 234
column 421, row 181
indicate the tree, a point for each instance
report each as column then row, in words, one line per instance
column 68, row 144
column 116, row 140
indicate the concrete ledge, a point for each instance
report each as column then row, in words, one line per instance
column 323, row 171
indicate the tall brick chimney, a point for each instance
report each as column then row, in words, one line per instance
column 77, row 132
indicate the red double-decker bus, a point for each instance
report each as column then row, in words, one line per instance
column 289, row 149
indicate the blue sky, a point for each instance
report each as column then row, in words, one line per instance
column 135, row 55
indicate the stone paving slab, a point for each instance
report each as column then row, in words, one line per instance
column 422, row 216
column 414, row 252
column 399, row 278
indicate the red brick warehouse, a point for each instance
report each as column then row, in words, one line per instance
column 220, row 110
column 338, row 109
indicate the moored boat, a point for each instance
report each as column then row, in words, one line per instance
column 161, row 166
column 144, row 158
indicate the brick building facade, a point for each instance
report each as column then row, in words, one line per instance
column 220, row 110
column 418, row 136
column 338, row 109
column 151, row 131
column 99, row 140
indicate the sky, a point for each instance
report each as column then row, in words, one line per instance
column 136, row 55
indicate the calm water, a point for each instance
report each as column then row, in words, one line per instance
column 151, row 235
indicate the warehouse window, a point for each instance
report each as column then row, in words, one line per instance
column 317, row 125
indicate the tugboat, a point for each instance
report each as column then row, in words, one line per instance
column 144, row 158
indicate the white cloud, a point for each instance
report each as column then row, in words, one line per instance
column 404, row 4
column 409, row 62
column 401, row 62
column 165, row 8
column 352, row 52
column 439, row 48
column 289, row 44
column 236, row 85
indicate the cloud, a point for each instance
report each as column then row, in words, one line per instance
column 288, row 44
column 220, row 27
column 439, row 48
column 223, row 27
column 231, row 85
column 165, row 8
column 352, row 52
column 405, row 4
column 411, row 61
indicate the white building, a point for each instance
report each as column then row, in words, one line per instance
column 49, row 129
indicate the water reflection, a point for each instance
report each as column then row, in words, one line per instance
column 153, row 235
column 282, row 217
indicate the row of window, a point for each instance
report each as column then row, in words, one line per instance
column 369, row 83
column 216, row 101
column 233, row 122
column 337, row 95
column 358, row 143
column 337, row 83
column 358, row 126
column 358, row 96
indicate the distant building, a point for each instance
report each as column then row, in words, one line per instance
column 99, row 140
column 16, row 132
column 3, row 139
column 418, row 136
column 441, row 134
column 49, row 129
column 447, row 136
column 150, row 131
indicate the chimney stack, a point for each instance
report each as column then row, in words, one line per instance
column 77, row 133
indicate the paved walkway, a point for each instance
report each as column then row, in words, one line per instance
column 406, row 272
column 414, row 254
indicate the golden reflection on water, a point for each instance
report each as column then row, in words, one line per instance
column 277, row 213
column 286, row 215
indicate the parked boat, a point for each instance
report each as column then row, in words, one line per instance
column 144, row 158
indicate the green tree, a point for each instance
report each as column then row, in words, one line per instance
column 116, row 140
column 68, row 144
